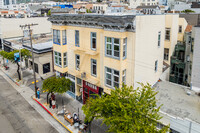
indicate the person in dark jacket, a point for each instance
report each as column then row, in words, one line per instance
column 50, row 102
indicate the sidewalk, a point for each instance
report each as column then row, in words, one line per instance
column 70, row 103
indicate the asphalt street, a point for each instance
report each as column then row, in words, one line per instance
column 17, row 116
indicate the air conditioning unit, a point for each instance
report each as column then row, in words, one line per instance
column 83, row 75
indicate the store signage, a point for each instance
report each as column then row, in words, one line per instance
column 91, row 85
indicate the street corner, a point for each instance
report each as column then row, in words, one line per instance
column 60, row 115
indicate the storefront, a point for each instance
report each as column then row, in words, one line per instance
column 89, row 89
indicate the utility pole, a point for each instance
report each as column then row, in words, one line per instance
column 30, row 34
column 1, row 33
column 20, row 56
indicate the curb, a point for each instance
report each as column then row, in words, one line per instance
column 10, row 77
column 52, row 115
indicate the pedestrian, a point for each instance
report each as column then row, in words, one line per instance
column 53, row 97
column 38, row 93
column 53, row 104
column 50, row 102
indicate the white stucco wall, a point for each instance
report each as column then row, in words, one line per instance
column 196, row 59
column 147, row 50
column 10, row 26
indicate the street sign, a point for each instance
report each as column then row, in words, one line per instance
column 16, row 57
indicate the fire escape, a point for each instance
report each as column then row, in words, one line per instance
column 178, row 64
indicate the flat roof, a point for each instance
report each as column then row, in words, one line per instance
column 176, row 102
column 40, row 48
column 104, row 21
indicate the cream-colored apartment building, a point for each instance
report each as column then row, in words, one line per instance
column 174, row 32
column 98, row 52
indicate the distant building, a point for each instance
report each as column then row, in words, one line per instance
column 136, row 3
column 195, row 79
column 149, row 9
column 185, row 59
column 11, row 30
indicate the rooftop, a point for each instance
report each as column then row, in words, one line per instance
column 40, row 47
column 176, row 102
column 147, row 7
column 41, row 44
column 188, row 28
column 104, row 21
column 192, row 19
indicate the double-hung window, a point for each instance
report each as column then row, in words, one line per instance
column 65, row 59
column 77, row 38
column 112, row 47
column 57, row 59
column 167, row 34
column 159, row 37
column 93, row 67
column 111, row 77
column 56, row 36
column 180, row 29
column 93, row 40
column 124, row 48
column 116, row 47
column 109, row 46
column 166, row 53
column 156, row 65
column 124, row 76
column 64, row 37
column 77, row 62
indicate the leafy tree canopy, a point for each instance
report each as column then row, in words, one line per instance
column 126, row 110
column 49, row 13
column 10, row 55
column 188, row 11
column 56, row 84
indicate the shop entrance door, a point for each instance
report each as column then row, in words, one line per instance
column 85, row 95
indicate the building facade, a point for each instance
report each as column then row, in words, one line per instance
column 99, row 53
column 174, row 32
column 195, row 47
column 136, row 3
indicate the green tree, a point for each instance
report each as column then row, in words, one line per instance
column 49, row 13
column 126, row 110
column 88, row 11
column 188, row 11
column 10, row 56
column 56, row 84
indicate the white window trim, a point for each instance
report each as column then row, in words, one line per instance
column 92, row 39
column 112, row 77
column 65, row 60
column 125, row 48
column 77, row 60
column 168, row 29
column 64, row 37
column 156, row 66
column 58, row 57
column 124, row 76
column 159, row 38
column 112, row 47
column 92, row 64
